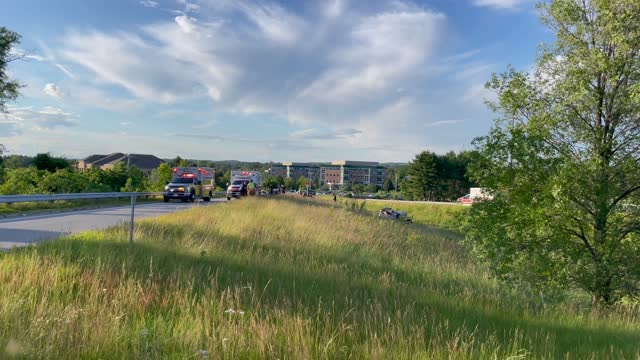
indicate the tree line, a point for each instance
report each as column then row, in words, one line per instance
column 433, row 177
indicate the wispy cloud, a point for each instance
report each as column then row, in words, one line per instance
column 501, row 4
column 46, row 118
column 149, row 3
column 324, row 134
column 442, row 123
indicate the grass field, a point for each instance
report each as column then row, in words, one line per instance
column 282, row 278
column 445, row 216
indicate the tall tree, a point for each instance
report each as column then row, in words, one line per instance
column 8, row 87
column 563, row 159
column 423, row 181
column 47, row 162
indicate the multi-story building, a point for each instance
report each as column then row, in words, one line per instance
column 297, row 170
column 343, row 172
column 278, row 170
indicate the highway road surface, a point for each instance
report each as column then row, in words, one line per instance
column 31, row 229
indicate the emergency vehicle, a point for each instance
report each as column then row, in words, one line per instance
column 190, row 183
column 240, row 179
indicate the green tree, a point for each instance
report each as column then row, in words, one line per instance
column 49, row 163
column 423, row 177
column 115, row 178
column 289, row 183
column 371, row 188
column 358, row 188
column 63, row 181
column 21, row 181
column 17, row 161
column 563, row 159
column 8, row 87
column 302, row 182
column 388, row 185
column 160, row 176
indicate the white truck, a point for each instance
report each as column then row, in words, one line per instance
column 190, row 183
column 475, row 194
column 240, row 180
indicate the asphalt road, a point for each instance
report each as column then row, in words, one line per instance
column 27, row 230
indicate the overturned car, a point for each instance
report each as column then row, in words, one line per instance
column 389, row 213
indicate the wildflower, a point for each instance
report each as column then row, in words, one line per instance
column 230, row 311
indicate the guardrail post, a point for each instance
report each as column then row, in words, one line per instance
column 133, row 208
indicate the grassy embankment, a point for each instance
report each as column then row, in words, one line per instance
column 445, row 216
column 282, row 278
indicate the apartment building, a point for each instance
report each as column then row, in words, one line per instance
column 343, row 172
column 144, row 162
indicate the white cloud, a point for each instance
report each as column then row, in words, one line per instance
column 324, row 134
column 53, row 90
column 384, row 49
column 66, row 71
column 443, row 123
column 350, row 68
column 334, row 8
column 186, row 24
column 501, row 4
column 188, row 6
column 46, row 118
column 149, row 3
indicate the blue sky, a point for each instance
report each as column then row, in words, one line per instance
column 260, row 80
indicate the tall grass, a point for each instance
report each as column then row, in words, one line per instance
column 282, row 278
column 446, row 216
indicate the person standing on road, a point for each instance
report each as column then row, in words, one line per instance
column 252, row 188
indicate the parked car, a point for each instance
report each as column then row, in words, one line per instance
column 465, row 200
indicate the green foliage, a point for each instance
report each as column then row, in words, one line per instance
column 223, row 178
column 17, row 161
column 21, row 181
column 64, row 181
column 159, row 177
column 302, row 182
column 49, row 163
column 289, row 183
column 563, row 159
column 371, row 188
column 388, row 185
column 8, row 87
column 272, row 182
column 423, row 174
column 436, row 177
column 357, row 188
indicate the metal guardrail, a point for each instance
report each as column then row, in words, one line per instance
column 10, row 199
